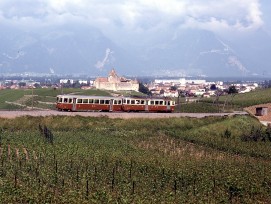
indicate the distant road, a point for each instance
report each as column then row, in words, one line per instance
column 14, row 114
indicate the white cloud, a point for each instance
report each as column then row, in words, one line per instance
column 136, row 15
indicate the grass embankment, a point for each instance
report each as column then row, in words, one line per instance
column 102, row 160
column 228, row 103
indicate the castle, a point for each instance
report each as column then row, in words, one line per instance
column 115, row 83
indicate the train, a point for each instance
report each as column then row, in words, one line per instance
column 114, row 104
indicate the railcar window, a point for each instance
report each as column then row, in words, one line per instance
column 115, row 102
column 101, row 101
column 107, row 102
column 85, row 100
column 65, row 100
column 161, row 103
column 156, row 102
column 96, row 101
column 132, row 101
column 124, row 101
column 142, row 102
column 90, row 100
column 168, row 103
column 128, row 101
column 152, row 102
column 137, row 101
column 119, row 102
column 70, row 100
column 79, row 100
column 60, row 100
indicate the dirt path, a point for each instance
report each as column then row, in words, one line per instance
column 14, row 114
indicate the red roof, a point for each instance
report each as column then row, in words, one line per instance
column 102, row 79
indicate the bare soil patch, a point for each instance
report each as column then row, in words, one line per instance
column 252, row 111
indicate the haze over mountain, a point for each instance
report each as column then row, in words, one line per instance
column 136, row 37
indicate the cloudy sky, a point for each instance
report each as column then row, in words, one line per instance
column 132, row 21
column 138, row 16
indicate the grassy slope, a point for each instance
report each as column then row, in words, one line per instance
column 44, row 95
column 238, row 102
column 11, row 96
column 176, row 160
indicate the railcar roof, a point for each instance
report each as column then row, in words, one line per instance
column 112, row 97
column 149, row 98
column 85, row 96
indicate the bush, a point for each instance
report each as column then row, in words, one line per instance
column 256, row 134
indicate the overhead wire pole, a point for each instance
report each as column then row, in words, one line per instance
column 32, row 96
column 179, row 101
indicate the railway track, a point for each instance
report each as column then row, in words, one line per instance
column 124, row 115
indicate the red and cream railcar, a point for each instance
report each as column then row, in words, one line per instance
column 148, row 104
column 107, row 103
column 88, row 103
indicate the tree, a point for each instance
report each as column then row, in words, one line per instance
column 21, row 83
column 37, row 85
column 162, row 91
column 144, row 89
column 213, row 87
column 218, row 93
column 173, row 88
column 232, row 90
column 76, row 84
column 267, row 84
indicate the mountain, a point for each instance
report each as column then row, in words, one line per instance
column 199, row 52
column 63, row 50
column 82, row 49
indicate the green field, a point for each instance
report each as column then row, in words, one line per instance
column 226, row 103
column 102, row 160
column 240, row 101
column 40, row 97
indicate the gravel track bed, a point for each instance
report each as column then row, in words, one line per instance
column 35, row 113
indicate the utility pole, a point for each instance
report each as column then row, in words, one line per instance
column 179, row 100
column 32, row 96
column 61, row 88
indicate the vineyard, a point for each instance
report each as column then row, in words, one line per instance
column 100, row 160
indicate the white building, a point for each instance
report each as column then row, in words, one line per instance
column 115, row 83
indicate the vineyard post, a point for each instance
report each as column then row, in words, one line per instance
column 32, row 101
column 113, row 179
column 214, row 181
column 194, row 183
column 15, row 179
column 175, row 186
column 133, row 188
column 87, row 189
column 77, row 177
column 130, row 170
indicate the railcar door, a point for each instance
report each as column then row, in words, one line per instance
column 74, row 104
column 111, row 105
column 147, row 105
column 168, row 105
